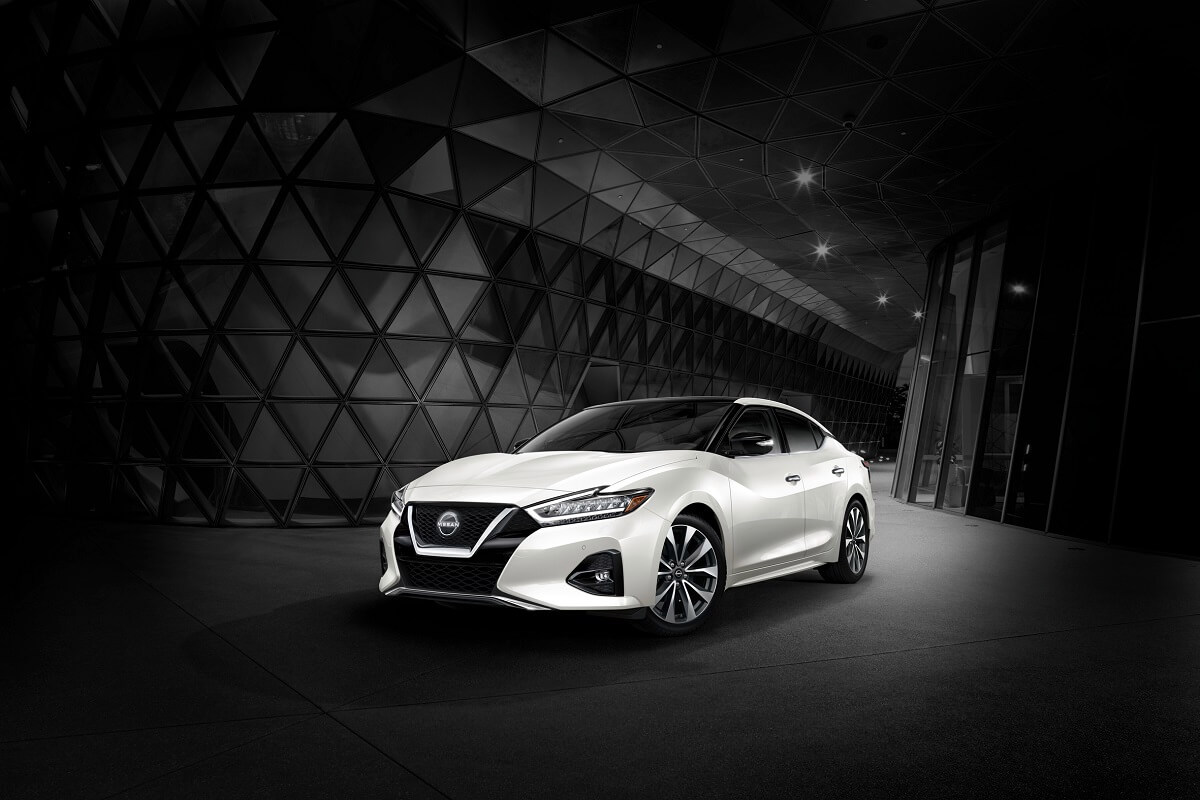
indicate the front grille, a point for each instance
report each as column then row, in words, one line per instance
column 439, row 576
column 473, row 520
column 476, row 575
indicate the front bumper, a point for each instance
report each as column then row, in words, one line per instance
column 534, row 576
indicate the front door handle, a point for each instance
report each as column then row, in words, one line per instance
column 792, row 478
column 838, row 470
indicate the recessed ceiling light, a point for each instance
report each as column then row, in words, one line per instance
column 806, row 176
column 1018, row 288
column 918, row 314
column 822, row 249
column 882, row 299
column 658, row 46
column 560, row 140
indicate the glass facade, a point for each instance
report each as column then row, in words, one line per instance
column 971, row 376
column 956, row 452
column 942, row 360
column 951, row 373
column 1048, row 364
column 269, row 307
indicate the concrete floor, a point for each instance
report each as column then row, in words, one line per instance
column 972, row 659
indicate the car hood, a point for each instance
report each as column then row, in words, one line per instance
column 525, row 478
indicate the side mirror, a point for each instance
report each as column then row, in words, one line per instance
column 520, row 444
column 750, row 444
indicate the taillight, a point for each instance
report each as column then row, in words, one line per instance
column 866, row 464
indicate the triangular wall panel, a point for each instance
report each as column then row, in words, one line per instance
column 331, row 283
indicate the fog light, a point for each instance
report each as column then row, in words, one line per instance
column 599, row 573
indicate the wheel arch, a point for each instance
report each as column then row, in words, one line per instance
column 706, row 513
column 704, row 499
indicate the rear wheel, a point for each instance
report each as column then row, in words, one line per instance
column 852, row 553
column 691, row 579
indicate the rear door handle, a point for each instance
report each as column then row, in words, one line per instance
column 792, row 478
column 838, row 470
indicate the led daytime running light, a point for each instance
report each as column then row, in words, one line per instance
column 588, row 506
column 591, row 505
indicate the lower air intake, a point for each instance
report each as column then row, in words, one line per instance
column 457, row 578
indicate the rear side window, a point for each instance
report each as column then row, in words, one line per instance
column 801, row 435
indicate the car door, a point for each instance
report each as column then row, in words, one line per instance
column 766, row 508
column 822, row 477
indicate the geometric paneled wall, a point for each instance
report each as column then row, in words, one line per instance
column 220, row 311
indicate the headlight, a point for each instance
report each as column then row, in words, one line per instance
column 589, row 505
column 398, row 500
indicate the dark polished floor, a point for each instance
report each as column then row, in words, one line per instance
column 973, row 659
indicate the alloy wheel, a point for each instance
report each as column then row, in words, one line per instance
column 687, row 575
column 856, row 540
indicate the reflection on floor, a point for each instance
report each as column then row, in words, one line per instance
column 972, row 659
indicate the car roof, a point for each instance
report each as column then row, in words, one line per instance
column 762, row 401
column 743, row 401
column 681, row 399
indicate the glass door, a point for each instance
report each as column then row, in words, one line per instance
column 929, row 457
column 970, row 389
column 920, row 376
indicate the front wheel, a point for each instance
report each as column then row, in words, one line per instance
column 855, row 540
column 691, row 579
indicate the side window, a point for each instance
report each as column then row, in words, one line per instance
column 756, row 420
column 801, row 435
column 818, row 433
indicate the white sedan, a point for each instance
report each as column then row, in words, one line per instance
column 646, row 509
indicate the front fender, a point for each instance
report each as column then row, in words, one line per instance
column 677, row 489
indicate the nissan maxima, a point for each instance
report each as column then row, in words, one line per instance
column 646, row 509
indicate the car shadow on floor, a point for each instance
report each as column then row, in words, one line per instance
column 743, row 610
column 341, row 648
column 361, row 621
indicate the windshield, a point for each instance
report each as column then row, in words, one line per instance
column 634, row 428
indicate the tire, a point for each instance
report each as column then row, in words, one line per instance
column 686, row 597
column 855, row 538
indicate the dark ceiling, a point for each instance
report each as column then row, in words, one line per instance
column 908, row 120
column 697, row 118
